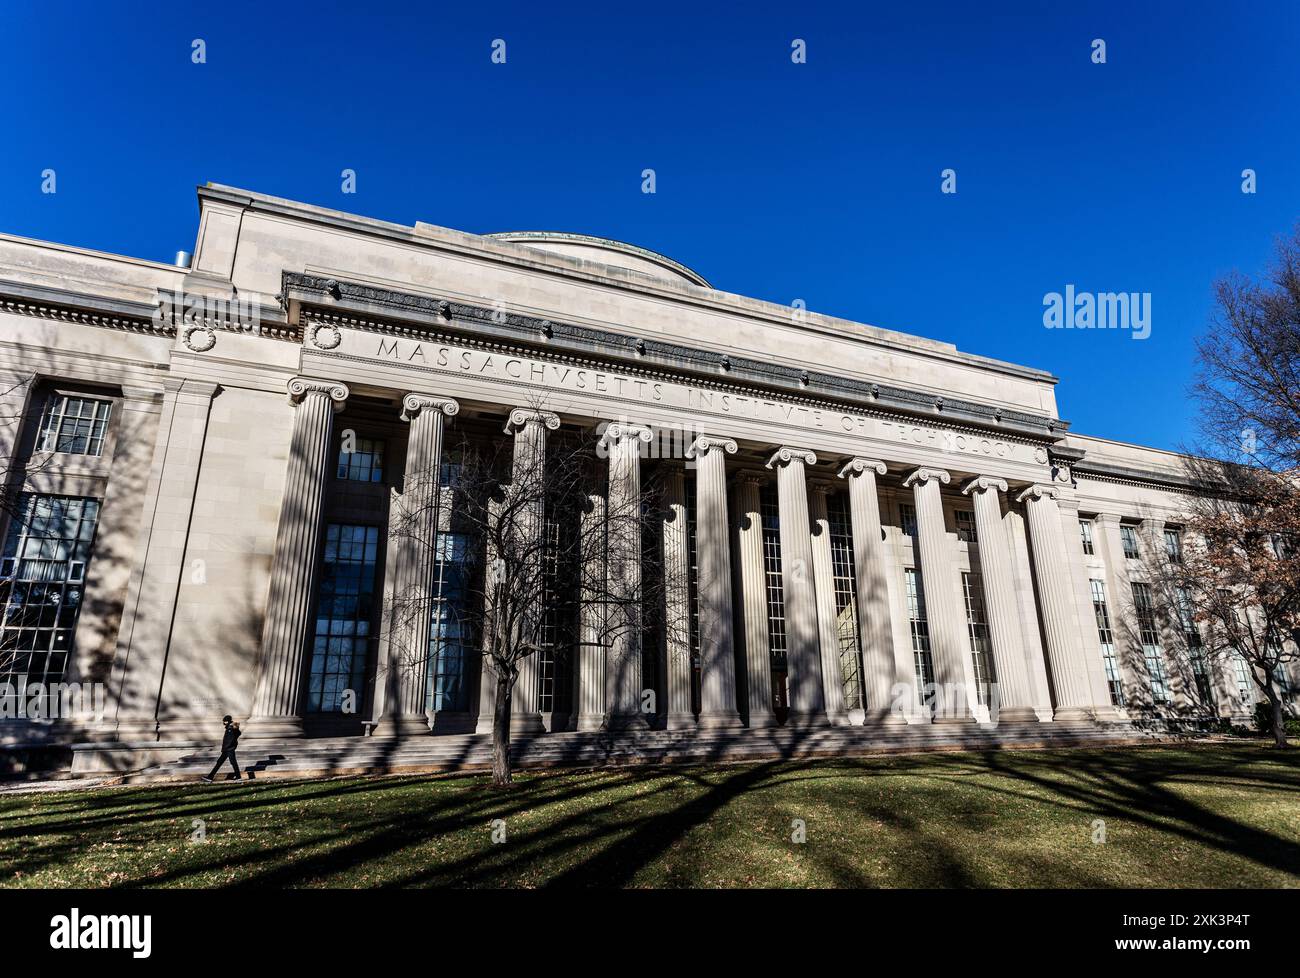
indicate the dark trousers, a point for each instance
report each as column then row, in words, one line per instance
column 221, row 760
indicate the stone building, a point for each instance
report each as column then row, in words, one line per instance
column 202, row 460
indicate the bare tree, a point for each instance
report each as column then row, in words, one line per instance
column 1240, row 577
column 16, row 464
column 545, row 538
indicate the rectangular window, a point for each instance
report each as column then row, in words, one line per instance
column 452, row 469
column 74, row 425
column 1128, row 537
column 772, row 575
column 1174, row 546
column 1106, row 638
column 365, row 463
column 922, row 662
column 846, row 612
column 907, row 519
column 977, row 627
column 1242, row 673
column 1195, row 646
column 1085, row 534
column 345, row 609
column 966, row 526
column 46, row 552
column 1149, row 635
column 551, row 638
column 450, row 641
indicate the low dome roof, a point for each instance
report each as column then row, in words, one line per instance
column 607, row 252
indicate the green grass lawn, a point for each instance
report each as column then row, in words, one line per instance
column 1214, row 815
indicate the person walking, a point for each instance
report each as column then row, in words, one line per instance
column 228, row 742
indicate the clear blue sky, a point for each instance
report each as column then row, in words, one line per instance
column 818, row 181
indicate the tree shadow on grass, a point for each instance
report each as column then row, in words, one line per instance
column 634, row 825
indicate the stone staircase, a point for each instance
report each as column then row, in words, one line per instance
column 472, row 752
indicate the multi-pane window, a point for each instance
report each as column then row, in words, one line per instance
column 907, row 519
column 1241, row 672
column 450, row 641
column 1149, row 636
column 344, row 612
column 772, row 575
column 693, row 593
column 922, row 661
column 365, row 463
column 1195, row 646
column 977, row 627
column 42, row 577
column 966, row 526
column 74, row 425
column 452, row 468
column 1085, row 535
column 1174, row 546
column 846, row 614
column 1128, row 537
column 551, row 627
column 1106, row 638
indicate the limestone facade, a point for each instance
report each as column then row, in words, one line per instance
column 861, row 513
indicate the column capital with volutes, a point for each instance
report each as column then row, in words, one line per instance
column 984, row 483
column 859, row 466
column 336, row 391
column 414, row 404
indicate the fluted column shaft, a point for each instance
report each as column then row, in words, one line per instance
column 713, row 585
column 410, row 652
column 803, row 648
column 589, row 697
column 277, row 699
column 753, row 595
column 1060, row 626
column 677, row 602
column 870, row 569
column 1015, row 702
column 623, row 670
column 528, row 475
column 949, row 646
column 828, row 628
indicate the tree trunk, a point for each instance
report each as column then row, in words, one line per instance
column 1279, row 718
column 501, row 732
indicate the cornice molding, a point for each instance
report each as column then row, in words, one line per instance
column 341, row 297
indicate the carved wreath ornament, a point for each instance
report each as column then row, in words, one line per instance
column 200, row 339
column 325, row 337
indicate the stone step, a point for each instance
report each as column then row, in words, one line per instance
column 299, row 758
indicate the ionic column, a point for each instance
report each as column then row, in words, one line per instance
column 677, row 601
column 870, row 569
column 589, row 696
column 1060, row 625
column 1014, row 697
column 803, row 648
column 752, row 577
column 277, row 701
column 713, row 585
column 828, row 632
column 623, row 669
column 528, row 476
column 410, row 654
column 949, row 647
